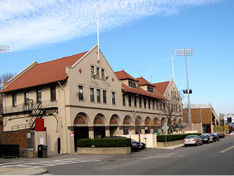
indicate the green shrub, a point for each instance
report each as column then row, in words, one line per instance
column 84, row 143
column 173, row 137
column 110, row 142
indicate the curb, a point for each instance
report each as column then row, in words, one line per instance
column 171, row 147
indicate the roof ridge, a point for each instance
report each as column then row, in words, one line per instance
column 50, row 71
column 62, row 58
column 161, row 82
column 144, row 81
column 20, row 74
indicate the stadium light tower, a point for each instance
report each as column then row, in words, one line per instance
column 4, row 49
column 186, row 52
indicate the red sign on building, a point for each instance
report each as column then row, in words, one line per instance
column 39, row 125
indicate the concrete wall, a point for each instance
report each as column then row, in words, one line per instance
column 197, row 127
column 199, row 115
column 169, row 143
column 15, row 137
column 104, row 150
column 150, row 141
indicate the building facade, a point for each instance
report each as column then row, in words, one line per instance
column 229, row 120
column 80, row 96
column 204, row 117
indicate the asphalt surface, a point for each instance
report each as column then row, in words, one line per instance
column 208, row 159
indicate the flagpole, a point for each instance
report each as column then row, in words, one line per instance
column 98, row 34
column 172, row 68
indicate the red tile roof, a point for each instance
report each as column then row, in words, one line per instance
column 161, row 87
column 143, row 81
column 121, row 75
column 141, row 91
column 44, row 73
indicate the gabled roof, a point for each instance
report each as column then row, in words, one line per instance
column 122, row 75
column 43, row 73
column 141, row 91
column 161, row 87
column 143, row 82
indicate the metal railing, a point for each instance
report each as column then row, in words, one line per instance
column 21, row 127
column 29, row 107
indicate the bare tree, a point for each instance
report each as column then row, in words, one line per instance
column 172, row 108
column 3, row 78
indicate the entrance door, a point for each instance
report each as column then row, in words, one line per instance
column 99, row 132
column 80, row 133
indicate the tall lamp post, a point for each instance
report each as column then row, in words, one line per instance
column 186, row 52
column 4, row 49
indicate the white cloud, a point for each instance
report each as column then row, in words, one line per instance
column 28, row 23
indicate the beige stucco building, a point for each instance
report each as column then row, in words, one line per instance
column 204, row 117
column 80, row 96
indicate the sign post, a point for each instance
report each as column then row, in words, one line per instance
column 165, row 128
column 145, row 137
column 226, row 127
column 130, row 133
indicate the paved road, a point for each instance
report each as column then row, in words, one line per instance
column 216, row 158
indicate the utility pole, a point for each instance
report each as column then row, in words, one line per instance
column 173, row 76
column 186, row 52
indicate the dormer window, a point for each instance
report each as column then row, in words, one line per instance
column 150, row 89
column 132, row 84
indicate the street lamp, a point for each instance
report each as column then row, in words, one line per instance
column 4, row 49
column 186, row 52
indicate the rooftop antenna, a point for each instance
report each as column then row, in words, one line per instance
column 172, row 68
column 98, row 34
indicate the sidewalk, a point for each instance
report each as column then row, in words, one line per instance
column 21, row 171
column 39, row 171
column 171, row 147
column 11, row 170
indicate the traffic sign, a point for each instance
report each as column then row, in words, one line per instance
column 72, row 133
column 130, row 132
column 165, row 127
column 227, row 127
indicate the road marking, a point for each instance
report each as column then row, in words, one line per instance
column 225, row 150
column 43, row 164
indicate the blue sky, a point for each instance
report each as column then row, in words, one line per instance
column 138, row 36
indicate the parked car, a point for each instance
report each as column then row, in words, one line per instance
column 205, row 138
column 216, row 137
column 232, row 133
column 192, row 140
column 210, row 137
column 221, row 135
column 134, row 145
column 142, row 144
